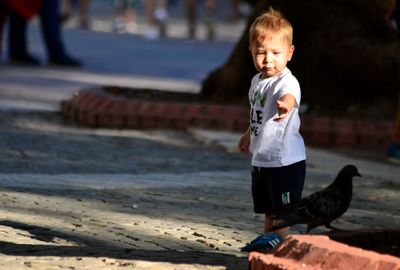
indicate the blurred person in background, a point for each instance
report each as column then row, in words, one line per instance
column 3, row 17
column 241, row 8
column 83, row 7
column 51, row 32
column 192, row 14
column 156, row 17
column 125, row 16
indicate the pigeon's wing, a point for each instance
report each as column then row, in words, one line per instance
column 317, row 209
column 326, row 204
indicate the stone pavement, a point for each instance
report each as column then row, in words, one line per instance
column 148, row 199
column 82, row 198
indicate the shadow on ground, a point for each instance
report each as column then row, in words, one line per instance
column 88, row 247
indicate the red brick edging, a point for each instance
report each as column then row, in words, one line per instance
column 306, row 252
column 97, row 108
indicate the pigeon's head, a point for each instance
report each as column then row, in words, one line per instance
column 349, row 171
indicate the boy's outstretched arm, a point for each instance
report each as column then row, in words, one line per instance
column 244, row 142
column 285, row 104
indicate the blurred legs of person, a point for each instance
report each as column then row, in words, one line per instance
column 210, row 6
column 83, row 13
column 83, row 7
column 3, row 17
column 66, row 10
column 156, row 16
column 17, row 44
column 191, row 16
column 237, row 14
column 241, row 8
column 51, row 32
column 125, row 16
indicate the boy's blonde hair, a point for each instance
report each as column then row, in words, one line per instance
column 270, row 22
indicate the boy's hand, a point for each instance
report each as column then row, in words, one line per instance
column 285, row 104
column 244, row 142
column 283, row 110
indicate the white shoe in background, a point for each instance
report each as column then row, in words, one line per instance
column 152, row 33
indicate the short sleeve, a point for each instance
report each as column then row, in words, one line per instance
column 290, row 85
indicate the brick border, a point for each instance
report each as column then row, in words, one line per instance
column 304, row 252
column 97, row 108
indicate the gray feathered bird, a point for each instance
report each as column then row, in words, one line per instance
column 322, row 207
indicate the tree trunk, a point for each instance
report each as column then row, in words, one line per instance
column 347, row 56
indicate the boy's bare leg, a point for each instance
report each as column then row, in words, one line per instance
column 269, row 222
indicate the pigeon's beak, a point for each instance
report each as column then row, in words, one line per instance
column 358, row 174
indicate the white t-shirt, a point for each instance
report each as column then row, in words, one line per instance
column 273, row 143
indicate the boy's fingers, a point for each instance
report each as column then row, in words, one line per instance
column 280, row 117
column 281, row 105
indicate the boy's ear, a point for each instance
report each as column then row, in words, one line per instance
column 291, row 50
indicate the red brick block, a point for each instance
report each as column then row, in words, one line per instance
column 373, row 135
column 185, row 115
column 146, row 119
column 232, row 116
column 96, row 107
column 65, row 107
column 81, row 115
column 94, row 102
column 318, row 131
column 73, row 112
column 116, row 114
column 104, row 105
column 131, row 114
column 90, row 105
column 109, row 111
column 319, row 252
column 71, row 107
column 345, row 131
column 89, row 118
column 178, row 116
column 207, row 116
column 85, row 98
column 191, row 111
column 156, row 115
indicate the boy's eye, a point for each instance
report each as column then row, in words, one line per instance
column 260, row 52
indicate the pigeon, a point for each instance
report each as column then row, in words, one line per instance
column 321, row 207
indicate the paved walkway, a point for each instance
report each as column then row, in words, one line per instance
column 79, row 198
column 174, row 63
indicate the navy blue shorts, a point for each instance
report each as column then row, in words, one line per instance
column 274, row 187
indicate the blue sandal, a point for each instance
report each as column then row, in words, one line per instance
column 263, row 243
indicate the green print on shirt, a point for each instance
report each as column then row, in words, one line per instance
column 258, row 99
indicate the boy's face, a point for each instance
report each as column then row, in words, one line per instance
column 271, row 54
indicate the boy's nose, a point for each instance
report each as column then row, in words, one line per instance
column 268, row 58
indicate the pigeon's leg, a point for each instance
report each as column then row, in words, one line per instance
column 329, row 226
column 312, row 225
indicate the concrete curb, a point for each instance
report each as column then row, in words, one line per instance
column 319, row 252
column 97, row 108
